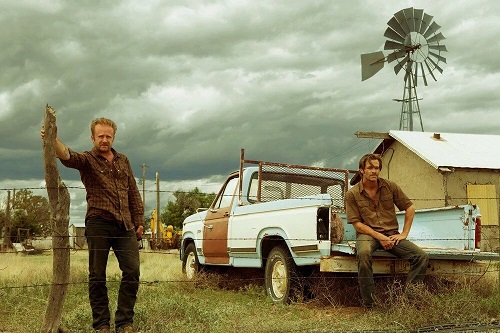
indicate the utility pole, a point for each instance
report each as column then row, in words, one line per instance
column 158, row 237
column 6, row 235
column 144, row 166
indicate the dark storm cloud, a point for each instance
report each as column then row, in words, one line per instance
column 190, row 83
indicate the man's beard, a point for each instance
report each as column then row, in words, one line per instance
column 104, row 147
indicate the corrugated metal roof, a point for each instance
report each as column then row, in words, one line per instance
column 477, row 151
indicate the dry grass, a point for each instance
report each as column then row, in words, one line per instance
column 229, row 300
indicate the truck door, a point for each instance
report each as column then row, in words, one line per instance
column 215, row 229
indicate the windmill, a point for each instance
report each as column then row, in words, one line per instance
column 415, row 44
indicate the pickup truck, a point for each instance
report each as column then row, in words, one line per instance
column 289, row 218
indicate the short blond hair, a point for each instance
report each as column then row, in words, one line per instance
column 102, row 121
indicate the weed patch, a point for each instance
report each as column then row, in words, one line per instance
column 231, row 300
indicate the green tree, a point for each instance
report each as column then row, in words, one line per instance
column 3, row 220
column 31, row 212
column 185, row 204
column 147, row 221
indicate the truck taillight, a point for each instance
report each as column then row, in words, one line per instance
column 477, row 233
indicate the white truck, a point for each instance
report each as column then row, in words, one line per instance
column 287, row 218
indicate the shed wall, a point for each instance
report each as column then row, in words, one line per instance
column 428, row 187
column 420, row 181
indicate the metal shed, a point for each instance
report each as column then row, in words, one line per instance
column 77, row 238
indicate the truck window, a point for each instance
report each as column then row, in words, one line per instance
column 252, row 189
column 226, row 196
column 283, row 185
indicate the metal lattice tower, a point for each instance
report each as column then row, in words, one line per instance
column 409, row 105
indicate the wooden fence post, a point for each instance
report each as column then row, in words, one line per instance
column 59, row 200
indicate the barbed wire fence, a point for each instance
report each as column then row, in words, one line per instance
column 171, row 192
column 493, row 267
column 463, row 200
column 459, row 200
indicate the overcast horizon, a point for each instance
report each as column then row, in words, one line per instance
column 190, row 83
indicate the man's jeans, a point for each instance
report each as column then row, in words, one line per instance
column 102, row 235
column 365, row 245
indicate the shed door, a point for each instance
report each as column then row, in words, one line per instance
column 485, row 197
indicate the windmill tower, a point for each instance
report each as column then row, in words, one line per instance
column 415, row 44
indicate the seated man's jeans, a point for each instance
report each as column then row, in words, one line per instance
column 366, row 245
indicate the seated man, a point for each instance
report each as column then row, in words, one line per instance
column 370, row 209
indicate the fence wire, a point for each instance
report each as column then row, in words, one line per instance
column 276, row 186
column 230, row 277
column 270, row 196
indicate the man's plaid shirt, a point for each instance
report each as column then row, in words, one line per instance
column 112, row 192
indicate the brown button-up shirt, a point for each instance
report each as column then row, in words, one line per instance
column 112, row 192
column 379, row 214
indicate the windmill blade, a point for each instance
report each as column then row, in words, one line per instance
column 394, row 24
column 426, row 21
column 434, row 27
column 429, row 69
column 389, row 33
column 441, row 48
column 395, row 55
column 409, row 18
column 436, row 65
column 439, row 57
column 400, row 16
column 390, row 45
column 418, row 13
column 423, row 74
column 371, row 63
column 400, row 65
column 436, row 38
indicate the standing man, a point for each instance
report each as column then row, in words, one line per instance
column 115, row 215
column 370, row 209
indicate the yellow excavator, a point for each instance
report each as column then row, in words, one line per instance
column 169, row 239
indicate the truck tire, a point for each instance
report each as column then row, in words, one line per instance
column 190, row 263
column 281, row 275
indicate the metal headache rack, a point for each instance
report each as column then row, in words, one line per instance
column 278, row 181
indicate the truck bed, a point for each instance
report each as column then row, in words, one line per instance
column 433, row 252
column 447, row 234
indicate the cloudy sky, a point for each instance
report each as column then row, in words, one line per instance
column 189, row 83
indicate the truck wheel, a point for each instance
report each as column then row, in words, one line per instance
column 281, row 275
column 190, row 263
